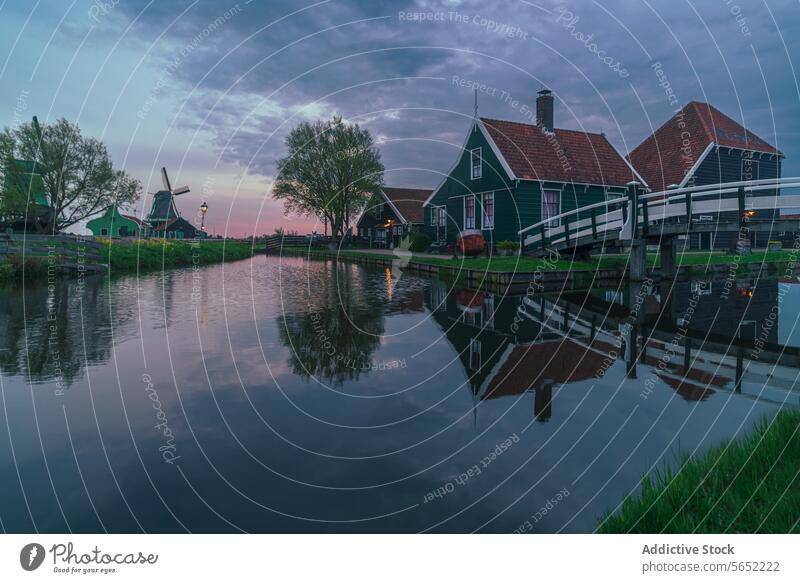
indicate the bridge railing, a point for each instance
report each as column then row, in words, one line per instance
column 66, row 251
column 593, row 220
column 607, row 219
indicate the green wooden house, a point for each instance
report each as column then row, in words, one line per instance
column 113, row 223
column 25, row 204
column 511, row 175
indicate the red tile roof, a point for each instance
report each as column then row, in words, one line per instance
column 664, row 158
column 562, row 361
column 409, row 202
column 136, row 220
column 561, row 156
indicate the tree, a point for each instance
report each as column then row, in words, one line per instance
column 331, row 170
column 78, row 176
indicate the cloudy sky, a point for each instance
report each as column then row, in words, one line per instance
column 209, row 89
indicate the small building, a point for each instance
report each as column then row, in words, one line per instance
column 390, row 214
column 113, row 223
column 511, row 175
column 26, row 204
column 176, row 228
column 700, row 145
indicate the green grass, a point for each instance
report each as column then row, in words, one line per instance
column 156, row 254
column 749, row 485
column 531, row 264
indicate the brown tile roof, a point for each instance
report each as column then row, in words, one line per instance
column 563, row 156
column 409, row 202
column 136, row 220
column 562, row 361
column 663, row 158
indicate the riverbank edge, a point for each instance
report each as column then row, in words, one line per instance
column 744, row 485
column 134, row 258
column 549, row 279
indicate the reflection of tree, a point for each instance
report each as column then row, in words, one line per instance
column 49, row 333
column 333, row 329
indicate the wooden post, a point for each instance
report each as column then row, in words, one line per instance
column 637, row 268
column 543, row 401
column 594, row 225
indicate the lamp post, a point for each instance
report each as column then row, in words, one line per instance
column 203, row 210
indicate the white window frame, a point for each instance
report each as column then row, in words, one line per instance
column 434, row 216
column 754, row 165
column 472, row 166
column 484, row 224
column 554, row 222
column 475, row 354
column 474, row 202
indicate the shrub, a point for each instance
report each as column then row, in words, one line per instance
column 419, row 241
column 508, row 245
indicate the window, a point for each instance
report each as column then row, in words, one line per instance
column 749, row 167
column 488, row 210
column 469, row 212
column 104, row 231
column 379, row 211
column 551, row 206
column 474, row 354
column 434, row 216
column 442, row 216
column 380, row 235
column 476, row 164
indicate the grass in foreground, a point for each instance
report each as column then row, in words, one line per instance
column 522, row 264
column 155, row 254
column 750, row 485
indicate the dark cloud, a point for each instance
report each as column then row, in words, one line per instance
column 245, row 84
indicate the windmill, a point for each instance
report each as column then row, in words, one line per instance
column 164, row 210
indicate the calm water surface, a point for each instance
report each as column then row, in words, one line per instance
column 307, row 396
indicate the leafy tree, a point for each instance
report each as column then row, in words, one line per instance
column 78, row 176
column 331, row 170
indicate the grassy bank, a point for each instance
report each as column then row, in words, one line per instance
column 749, row 485
column 156, row 254
column 522, row 264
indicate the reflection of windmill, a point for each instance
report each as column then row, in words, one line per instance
column 164, row 210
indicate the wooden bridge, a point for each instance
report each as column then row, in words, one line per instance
column 660, row 217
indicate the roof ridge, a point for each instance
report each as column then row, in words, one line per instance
column 533, row 125
column 710, row 134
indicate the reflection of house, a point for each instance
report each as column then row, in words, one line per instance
column 701, row 145
column 113, row 223
column 390, row 213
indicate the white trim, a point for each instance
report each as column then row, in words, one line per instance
column 642, row 181
column 696, row 165
column 493, row 147
column 464, row 213
column 472, row 163
column 394, row 208
column 541, row 205
column 483, row 211
column 496, row 151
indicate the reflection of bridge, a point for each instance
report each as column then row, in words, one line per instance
column 660, row 217
column 694, row 362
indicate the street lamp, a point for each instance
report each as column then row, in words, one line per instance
column 204, row 210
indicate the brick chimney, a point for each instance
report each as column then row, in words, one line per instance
column 544, row 109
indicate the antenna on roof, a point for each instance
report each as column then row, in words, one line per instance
column 476, row 104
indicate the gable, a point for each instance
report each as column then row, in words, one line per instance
column 678, row 147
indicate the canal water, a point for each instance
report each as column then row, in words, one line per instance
column 284, row 395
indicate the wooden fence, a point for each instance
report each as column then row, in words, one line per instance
column 69, row 251
column 275, row 243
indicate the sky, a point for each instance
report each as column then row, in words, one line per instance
column 210, row 89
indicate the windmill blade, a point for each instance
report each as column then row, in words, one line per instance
column 181, row 190
column 165, row 180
